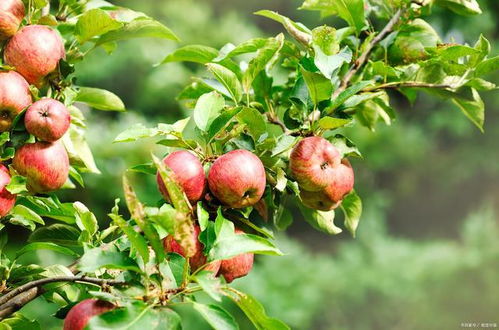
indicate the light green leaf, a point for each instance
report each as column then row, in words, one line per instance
column 254, row 121
column 318, row 86
column 58, row 233
column 230, row 245
column 94, row 22
column 17, row 184
column 136, row 240
column 192, row 53
column 21, row 213
column 109, row 258
column 351, row 11
column 228, row 79
column 248, row 46
column 461, row 7
column 44, row 246
column 85, row 219
column 100, row 99
column 210, row 284
column 487, row 66
column 330, row 123
column 473, row 109
column 320, row 220
column 208, row 107
column 216, row 316
column 346, row 94
column 221, row 121
column 352, row 208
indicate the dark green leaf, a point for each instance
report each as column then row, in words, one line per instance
column 45, row 246
column 60, row 234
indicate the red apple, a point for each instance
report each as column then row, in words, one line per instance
column 15, row 96
column 11, row 15
column 237, row 179
column 196, row 261
column 342, row 182
column 317, row 200
column 312, row 163
column 7, row 200
column 237, row 266
column 47, row 119
column 189, row 173
column 81, row 313
column 44, row 164
column 35, row 51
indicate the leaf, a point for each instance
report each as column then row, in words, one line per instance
column 221, row 121
column 136, row 132
column 329, row 64
column 320, row 220
column 142, row 27
column 255, row 311
column 461, row 7
column 100, row 99
column 454, row 52
column 248, row 46
column 192, row 53
column 208, row 107
column 473, row 109
column 254, row 121
column 106, row 257
column 487, row 66
column 346, row 94
column 17, row 184
column 228, row 79
column 17, row 321
column 345, row 146
column 351, row 11
column 136, row 316
column 85, row 219
column 94, row 22
column 352, row 208
column 49, row 207
column 136, row 240
column 58, row 233
column 330, row 123
column 230, row 245
column 44, row 246
column 210, row 284
column 318, row 86
column 21, row 213
column 78, row 150
column 216, row 316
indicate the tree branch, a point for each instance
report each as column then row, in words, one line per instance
column 365, row 55
column 23, row 294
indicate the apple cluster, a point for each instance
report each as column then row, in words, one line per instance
column 33, row 52
column 323, row 176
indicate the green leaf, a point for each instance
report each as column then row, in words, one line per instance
column 473, row 109
column 49, row 207
column 248, row 46
column 165, row 216
column 228, row 79
column 22, row 214
column 487, row 66
column 136, row 240
column 324, row 37
column 221, row 121
column 282, row 19
column 351, row 11
column 94, row 22
column 329, row 64
column 210, row 284
column 100, row 99
column 78, row 150
column 216, row 316
column 230, row 245
column 254, row 121
column 17, row 184
column 255, row 311
column 208, row 107
column 352, row 208
column 330, row 123
column 136, row 132
column 345, row 146
column 136, row 316
column 320, row 220
column 192, row 53
column 109, row 258
column 85, row 219
column 58, row 233
column 454, row 52
column 142, row 27
column 346, row 94
column 45, row 246
column 17, row 321
column 461, row 7
column 318, row 86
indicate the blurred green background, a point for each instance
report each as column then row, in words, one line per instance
column 427, row 253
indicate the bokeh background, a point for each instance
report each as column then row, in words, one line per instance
column 427, row 251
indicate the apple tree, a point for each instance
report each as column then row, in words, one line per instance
column 263, row 134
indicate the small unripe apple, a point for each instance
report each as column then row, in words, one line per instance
column 35, row 52
column 342, row 183
column 237, row 266
column 7, row 200
column 189, row 173
column 312, row 163
column 47, row 119
column 81, row 313
column 237, row 179
column 44, row 164
column 196, row 261
column 15, row 96
column 11, row 15
column 317, row 200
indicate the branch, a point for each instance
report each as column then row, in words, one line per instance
column 401, row 84
column 23, row 294
column 365, row 55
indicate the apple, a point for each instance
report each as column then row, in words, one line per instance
column 47, row 119
column 237, row 266
column 189, row 173
column 317, row 200
column 196, row 261
column 312, row 163
column 11, row 15
column 44, row 164
column 15, row 96
column 7, row 200
column 237, row 179
column 35, row 52
column 342, row 182
column 81, row 313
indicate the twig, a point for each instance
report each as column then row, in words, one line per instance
column 365, row 55
column 278, row 122
column 401, row 84
column 19, row 301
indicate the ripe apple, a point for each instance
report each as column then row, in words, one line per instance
column 47, row 119
column 44, row 164
column 11, row 15
column 7, row 200
column 81, row 313
column 189, row 173
column 237, row 179
column 237, row 266
column 342, row 182
column 196, row 261
column 35, row 51
column 312, row 163
column 15, row 96
column 317, row 200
